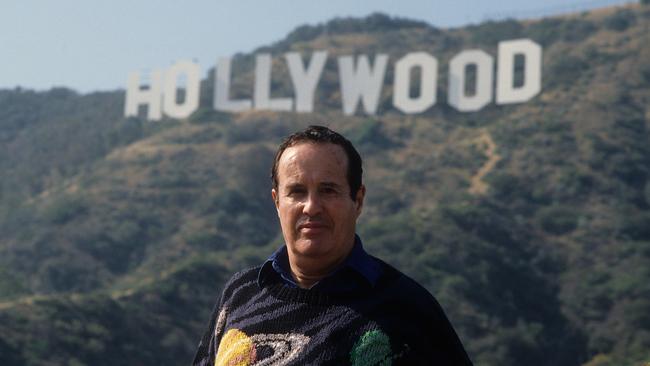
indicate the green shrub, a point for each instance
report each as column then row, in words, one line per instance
column 636, row 227
column 209, row 115
column 546, row 31
column 557, row 219
column 621, row 20
column 63, row 209
column 10, row 286
column 575, row 30
column 368, row 135
column 565, row 70
column 492, row 32
column 551, row 30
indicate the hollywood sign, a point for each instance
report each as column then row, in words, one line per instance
column 360, row 82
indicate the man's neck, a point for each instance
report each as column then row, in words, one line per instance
column 305, row 281
column 307, row 272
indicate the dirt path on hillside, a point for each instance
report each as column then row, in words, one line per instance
column 478, row 186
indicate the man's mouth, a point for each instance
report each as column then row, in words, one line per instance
column 312, row 227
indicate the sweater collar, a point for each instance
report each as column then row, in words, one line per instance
column 359, row 269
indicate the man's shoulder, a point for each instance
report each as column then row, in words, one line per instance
column 405, row 288
column 393, row 276
column 420, row 313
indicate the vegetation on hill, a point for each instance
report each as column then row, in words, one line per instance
column 116, row 234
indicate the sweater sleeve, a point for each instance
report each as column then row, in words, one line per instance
column 203, row 353
column 448, row 337
column 432, row 338
column 440, row 341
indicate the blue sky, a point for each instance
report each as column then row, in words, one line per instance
column 93, row 45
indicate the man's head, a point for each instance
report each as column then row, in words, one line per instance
column 323, row 135
column 318, row 194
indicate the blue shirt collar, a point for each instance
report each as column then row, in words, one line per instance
column 359, row 265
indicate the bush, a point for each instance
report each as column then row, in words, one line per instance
column 550, row 30
column 66, row 273
column 63, row 209
column 620, row 21
column 258, row 128
column 576, row 30
column 546, row 31
column 506, row 187
column 205, row 240
column 636, row 227
column 369, row 136
column 557, row 219
column 10, row 286
column 209, row 115
column 9, row 354
column 491, row 32
column 566, row 70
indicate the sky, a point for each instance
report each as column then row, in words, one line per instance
column 93, row 45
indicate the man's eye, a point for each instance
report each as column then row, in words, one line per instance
column 329, row 190
column 296, row 192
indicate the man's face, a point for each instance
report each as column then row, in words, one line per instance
column 316, row 212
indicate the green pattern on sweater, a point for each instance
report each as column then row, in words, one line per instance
column 372, row 349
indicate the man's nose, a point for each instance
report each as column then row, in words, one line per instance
column 312, row 206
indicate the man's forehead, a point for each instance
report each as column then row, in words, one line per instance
column 322, row 151
column 323, row 162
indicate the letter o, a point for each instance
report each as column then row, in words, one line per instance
column 428, row 80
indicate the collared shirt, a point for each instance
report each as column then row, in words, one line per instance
column 357, row 271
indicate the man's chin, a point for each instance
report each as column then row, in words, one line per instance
column 312, row 246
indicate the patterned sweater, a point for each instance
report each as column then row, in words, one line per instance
column 395, row 322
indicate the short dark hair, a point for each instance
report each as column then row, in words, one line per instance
column 323, row 135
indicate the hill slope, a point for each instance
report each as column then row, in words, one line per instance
column 530, row 222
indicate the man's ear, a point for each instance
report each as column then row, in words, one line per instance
column 274, row 195
column 358, row 200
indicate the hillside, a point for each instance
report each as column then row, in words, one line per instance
column 529, row 222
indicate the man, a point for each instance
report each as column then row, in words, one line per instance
column 321, row 299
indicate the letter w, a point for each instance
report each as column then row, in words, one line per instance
column 362, row 82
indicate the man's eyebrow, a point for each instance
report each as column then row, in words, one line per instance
column 294, row 185
column 330, row 185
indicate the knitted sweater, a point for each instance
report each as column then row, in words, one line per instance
column 395, row 322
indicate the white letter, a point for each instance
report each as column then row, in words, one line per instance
column 483, row 95
column 362, row 82
column 150, row 97
column 532, row 53
column 191, row 101
column 262, row 93
column 304, row 82
column 221, row 100
column 428, row 80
